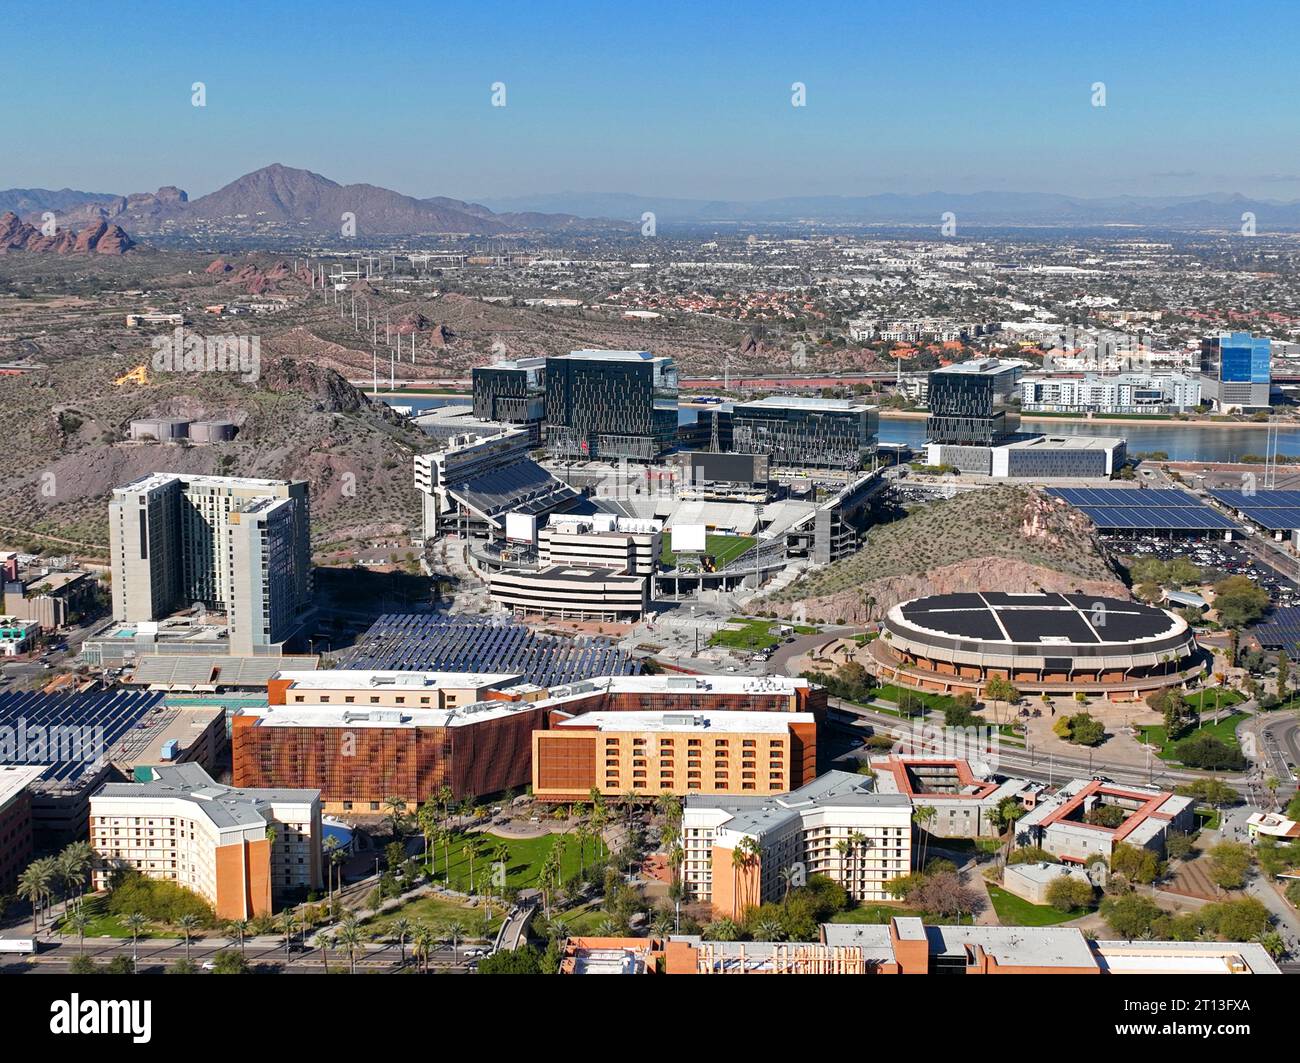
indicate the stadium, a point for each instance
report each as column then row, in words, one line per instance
column 1043, row 643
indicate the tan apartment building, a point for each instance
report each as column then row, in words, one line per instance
column 673, row 752
column 834, row 826
column 236, row 545
column 238, row 849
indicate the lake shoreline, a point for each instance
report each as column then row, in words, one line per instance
column 1155, row 422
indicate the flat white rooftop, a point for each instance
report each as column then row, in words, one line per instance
column 807, row 402
column 15, row 778
column 979, row 367
column 684, row 684
column 615, row 356
column 694, row 722
column 1066, row 443
column 402, row 717
column 157, row 479
column 367, row 679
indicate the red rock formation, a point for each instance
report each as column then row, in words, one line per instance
column 219, row 265
column 15, row 234
column 113, row 241
column 104, row 239
column 87, row 238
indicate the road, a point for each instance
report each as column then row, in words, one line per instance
column 155, row 956
column 1039, row 767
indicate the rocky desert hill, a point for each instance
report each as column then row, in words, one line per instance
column 1007, row 538
column 67, row 445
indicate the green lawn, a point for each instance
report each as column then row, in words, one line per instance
column 936, row 703
column 1207, row 818
column 874, row 913
column 1224, row 730
column 754, row 636
column 437, row 912
column 722, row 548
column 104, row 923
column 1015, row 911
column 1209, row 700
column 523, row 862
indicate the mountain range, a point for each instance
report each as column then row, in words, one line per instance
column 971, row 208
column 282, row 200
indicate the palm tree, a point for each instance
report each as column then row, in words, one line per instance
column 34, row 886
column 325, row 942
column 427, row 819
column 743, row 857
column 676, row 857
column 78, row 920
column 330, row 844
column 922, row 816
column 336, row 860
column 238, row 927
column 396, row 813
column 861, row 843
column 789, row 876
column 445, row 798
column 472, row 847
column 188, row 923
column 287, row 924
column 844, row 847
column 134, row 922
column 724, row 930
column 453, row 932
column 350, row 938
column 423, row 942
column 74, row 863
column 768, row 930
column 402, row 928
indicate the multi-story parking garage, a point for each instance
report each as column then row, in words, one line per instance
column 1043, row 643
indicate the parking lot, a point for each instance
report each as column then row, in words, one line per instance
column 1214, row 556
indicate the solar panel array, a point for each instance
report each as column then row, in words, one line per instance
column 1274, row 510
column 1281, row 631
column 1113, row 508
column 409, row 642
column 103, row 718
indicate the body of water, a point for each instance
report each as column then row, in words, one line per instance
column 1181, row 442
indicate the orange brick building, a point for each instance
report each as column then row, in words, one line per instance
column 677, row 753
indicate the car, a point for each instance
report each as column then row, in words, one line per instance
column 208, row 965
column 475, row 953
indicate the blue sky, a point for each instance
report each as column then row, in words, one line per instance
column 684, row 100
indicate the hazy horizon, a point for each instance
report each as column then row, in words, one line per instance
column 675, row 103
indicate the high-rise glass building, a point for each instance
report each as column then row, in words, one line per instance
column 512, row 392
column 1236, row 370
column 610, row 405
column 971, row 403
column 806, row 432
